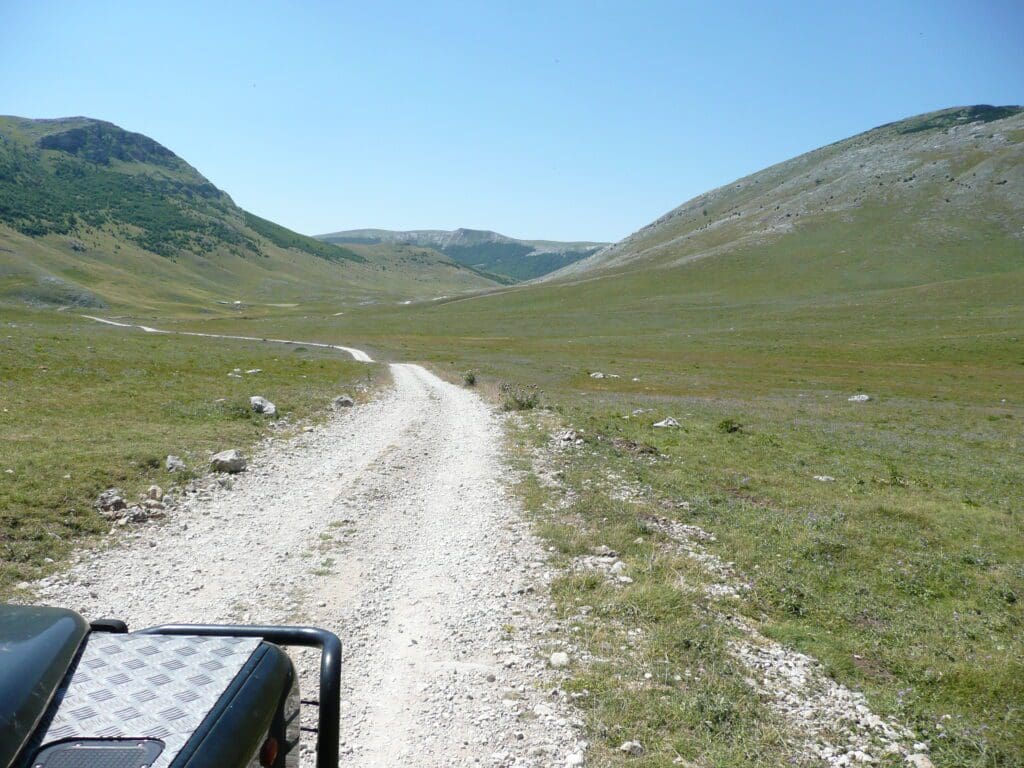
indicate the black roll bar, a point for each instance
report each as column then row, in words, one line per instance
column 309, row 637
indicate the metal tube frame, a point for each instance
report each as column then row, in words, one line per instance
column 309, row 637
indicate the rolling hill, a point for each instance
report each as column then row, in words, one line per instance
column 906, row 197
column 506, row 257
column 93, row 215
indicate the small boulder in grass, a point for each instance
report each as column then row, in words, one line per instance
column 175, row 464
column 343, row 401
column 262, row 405
column 859, row 398
column 668, row 423
column 111, row 500
column 632, row 748
column 230, row 462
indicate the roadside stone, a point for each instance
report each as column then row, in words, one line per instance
column 559, row 660
column 174, row 464
column 574, row 759
column 859, row 398
column 111, row 500
column 632, row 748
column 154, row 492
column 343, row 401
column 231, row 461
column 920, row 761
column 666, row 423
column 597, row 375
column 141, row 514
column 262, row 405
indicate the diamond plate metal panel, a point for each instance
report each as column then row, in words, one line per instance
column 145, row 686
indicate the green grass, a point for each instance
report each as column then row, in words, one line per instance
column 660, row 671
column 84, row 407
column 905, row 575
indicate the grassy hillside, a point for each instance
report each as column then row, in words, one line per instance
column 507, row 258
column 904, row 573
column 94, row 215
column 951, row 178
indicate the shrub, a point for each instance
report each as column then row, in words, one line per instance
column 469, row 378
column 515, row 398
column 729, row 426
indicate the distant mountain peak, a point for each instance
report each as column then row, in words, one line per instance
column 100, row 142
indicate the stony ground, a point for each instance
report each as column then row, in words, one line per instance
column 390, row 525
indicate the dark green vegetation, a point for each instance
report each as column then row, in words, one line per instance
column 84, row 407
column 74, row 179
column 982, row 113
column 94, row 215
column 890, row 264
column 285, row 238
column 505, row 258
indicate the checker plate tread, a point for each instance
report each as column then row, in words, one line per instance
column 145, row 686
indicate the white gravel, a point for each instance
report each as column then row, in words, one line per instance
column 835, row 724
column 430, row 577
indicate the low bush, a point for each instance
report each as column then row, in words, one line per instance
column 729, row 426
column 516, row 398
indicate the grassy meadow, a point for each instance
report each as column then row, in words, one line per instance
column 84, row 407
column 882, row 266
column 904, row 575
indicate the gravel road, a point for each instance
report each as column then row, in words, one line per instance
column 389, row 524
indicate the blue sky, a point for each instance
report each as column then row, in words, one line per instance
column 565, row 120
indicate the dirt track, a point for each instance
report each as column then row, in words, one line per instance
column 391, row 526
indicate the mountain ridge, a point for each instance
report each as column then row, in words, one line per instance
column 93, row 214
column 510, row 257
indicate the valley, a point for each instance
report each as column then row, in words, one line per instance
column 838, row 341
column 506, row 258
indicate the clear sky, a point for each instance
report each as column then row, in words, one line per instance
column 563, row 120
